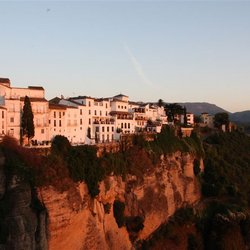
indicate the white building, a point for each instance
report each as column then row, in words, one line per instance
column 207, row 120
column 12, row 98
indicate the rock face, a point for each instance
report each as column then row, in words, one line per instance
column 47, row 219
column 78, row 222
column 22, row 216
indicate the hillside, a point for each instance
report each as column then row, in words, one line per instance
column 242, row 117
column 199, row 107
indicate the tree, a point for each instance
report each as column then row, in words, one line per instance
column 160, row 103
column 28, row 128
column 173, row 109
column 60, row 145
column 221, row 119
column 185, row 117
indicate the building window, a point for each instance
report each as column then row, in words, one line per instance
column 125, row 107
column 95, row 112
column 121, row 125
column 89, row 103
column 125, row 125
column 129, row 125
column 80, row 121
column 106, row 113
column 106, row 105
column 103, row 128
column 107, row 129
column 100, row 113
column 112, row 129
column 60, row 123
column 89, row 121
column 60, row 115
column 97, row 129
column 118, row 106
column 42, row 131
column 11, row 119
column 80, row 111
column 54, row 114
column 2, row 114
column 54, row 123
column 89, row 112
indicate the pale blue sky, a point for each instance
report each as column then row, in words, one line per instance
column 177, row 51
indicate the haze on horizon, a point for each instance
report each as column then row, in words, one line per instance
column 177, row 51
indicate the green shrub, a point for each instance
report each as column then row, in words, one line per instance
column 60, row 145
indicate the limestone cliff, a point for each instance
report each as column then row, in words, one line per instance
column 23, row 218
column 78, row 222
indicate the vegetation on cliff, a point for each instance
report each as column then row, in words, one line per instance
column 222, row 219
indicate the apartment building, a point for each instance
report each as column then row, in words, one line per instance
column 207, row 120
column 81, row 119
column 12, row 99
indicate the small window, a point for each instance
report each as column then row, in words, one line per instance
column 80, row 121
column 89, row 112
column 54, row 123
column 60, row 114
column 54, row 114
column 129, row 125
column 95, row 112
column 107, row 129
column 80, row 111
column 11, row 119
column 112, row 129
column 89, row 103
column 100, row 113
column 103, row 129
column 89, row 121
column 42, row 131
column 2, row 114
column 60, row 123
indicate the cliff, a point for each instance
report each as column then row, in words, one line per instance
column 23, row 219
column 77, row 221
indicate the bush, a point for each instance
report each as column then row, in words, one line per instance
column 84, row 165
column 60, row 145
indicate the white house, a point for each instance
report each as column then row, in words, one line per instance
column 12, row 98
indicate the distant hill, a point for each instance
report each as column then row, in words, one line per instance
column 197, row 108
column 200, row 107
column 241, row 117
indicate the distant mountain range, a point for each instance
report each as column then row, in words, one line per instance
column 199, row 107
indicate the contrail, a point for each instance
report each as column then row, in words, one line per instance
column 138, row 67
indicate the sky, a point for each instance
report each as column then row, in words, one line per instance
column 195, row 51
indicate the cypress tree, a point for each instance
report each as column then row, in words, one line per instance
column 185, row 117
column 28, row 119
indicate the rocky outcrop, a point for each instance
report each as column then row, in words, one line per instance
column 78, row 222
column 23, row 219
